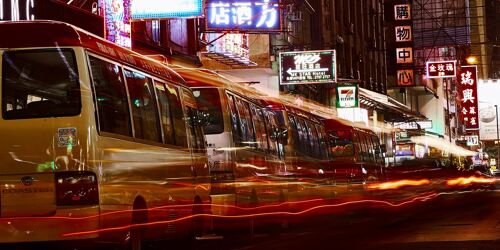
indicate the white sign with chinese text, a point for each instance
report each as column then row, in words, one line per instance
column 404, row 55
column 403, row 33
column 402, row 12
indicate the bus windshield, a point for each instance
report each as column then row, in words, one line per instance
column 208, row 100
column 341, row 143
column 39, row 83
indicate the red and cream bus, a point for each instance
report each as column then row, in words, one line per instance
column 94, row 138
column 356, row 151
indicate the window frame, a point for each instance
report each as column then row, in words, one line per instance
column 88, row 54
column 78, row 85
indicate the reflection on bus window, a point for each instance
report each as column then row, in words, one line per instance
column 143, row 105
column 29, row 92
column 111, row 97
column 208, row 100
column 341, row 143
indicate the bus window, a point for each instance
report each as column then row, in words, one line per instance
column 40, row 83
column 197, row 139
column 248, row 135
column 270, row 128
column 295, row 132
column 143, row 104
column 341, row 143
column 177, row 116
column 234, row 120
column 111, row 97
column 165, row 113
column 313, row 136
column 208, row 99
column 265, row 137
column 322, row 142
column 260, row 129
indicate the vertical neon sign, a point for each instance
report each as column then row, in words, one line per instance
column 117, row 21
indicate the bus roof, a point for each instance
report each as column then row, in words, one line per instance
column 46, row 33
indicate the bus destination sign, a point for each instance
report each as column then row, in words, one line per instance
column 307, row 67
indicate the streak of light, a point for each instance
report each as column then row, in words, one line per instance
column 463, row 181
column 281, row 213
column 398, row 184
column 245, row 165
column 229, row 149
column 442, row 144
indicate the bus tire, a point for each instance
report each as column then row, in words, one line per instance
column 136, row 234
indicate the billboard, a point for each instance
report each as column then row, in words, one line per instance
column 306, row 67
column 442, row 69
column 467, row 93
column 488, row 94
column 158, row 9
column 117, row 22
column 347, row 96
column 243, row 15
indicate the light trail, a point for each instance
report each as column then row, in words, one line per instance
column 464, row 181
column 281, row 213
column 398, row 184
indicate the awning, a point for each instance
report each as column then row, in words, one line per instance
column 393, row 110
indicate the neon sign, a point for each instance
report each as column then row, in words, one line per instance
column 467, row 91
column 117, row 21
column 250, row 15
column 301, row 67
column 157, row 9
column 17, row 10
column 441, row 69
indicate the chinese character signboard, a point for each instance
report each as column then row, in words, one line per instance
column 243, row 15
column 404, row 55
column 402, row 12
column 467, row 91
column 117, row 21
column 403, row 33
column 157, row 9
column 302, row 67
column 414, row 125
column 405, row 77
column 441, row 69
column 347, row 96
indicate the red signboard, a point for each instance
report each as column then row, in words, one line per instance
column 467, row 91
column 441, row 69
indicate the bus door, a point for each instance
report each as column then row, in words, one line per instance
column 196, row 140
column 40, row 106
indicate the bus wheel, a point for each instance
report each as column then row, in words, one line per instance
column 136, row 234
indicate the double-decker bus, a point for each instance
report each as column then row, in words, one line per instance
column 96, row 140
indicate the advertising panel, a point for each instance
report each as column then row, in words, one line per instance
column 117, row 22
column 467, row 92
column 347, row 96
column 304, row 67
column 158, row 9
column 243, row 15
column 441, row 69
column 488, row 94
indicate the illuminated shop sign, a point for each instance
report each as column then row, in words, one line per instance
column 467, row 91
column 117, row 21
column 405, row 149
column 414, row 125
column 15, row 10
column 471, row 140
column 402, row 12
column 304, row 67
column 404, row 55
column 403, row 33
column 405, row 77
column 441, row 69
column 157, row 9
column 229, row 48
column 347, row 96
column 241, row 15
